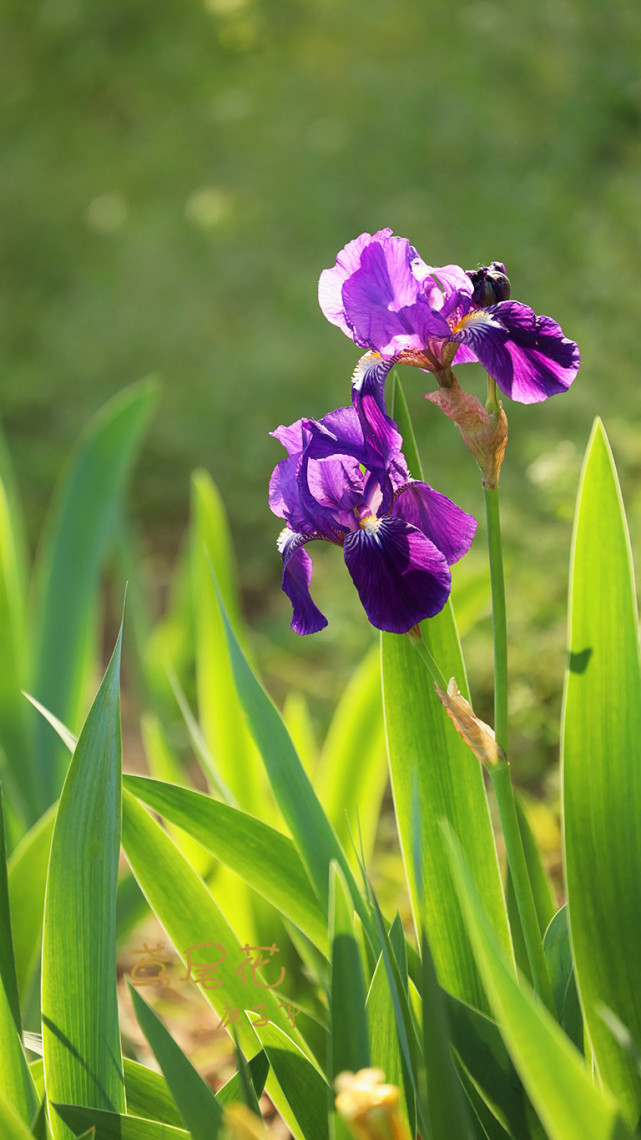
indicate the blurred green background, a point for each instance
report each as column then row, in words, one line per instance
column 176, row 175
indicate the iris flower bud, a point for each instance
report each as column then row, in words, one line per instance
column 491, row 284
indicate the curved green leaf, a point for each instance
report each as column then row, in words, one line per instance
column 264, row 858
column 115, row 1125
column 68, row 568
column 81, row 1036
column 559, row 1083
column 306, row 1091
column 27, row 874
column 349, row 1038
column 601, row 770
column 195, row 1100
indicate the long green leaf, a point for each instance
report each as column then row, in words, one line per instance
column 12, row 1125
column 116, row 1126
column 267, row 860
column 601, row 770
column 187, row 911
column 305, row 1089
column 312, row 833
column 352, row 771
column 446, row 1105
column 146, row 1092
column 27, row 874
column 558, row 953
column 81, row 1037
column 198, row 1106
column 431, row 765
column 559, row 1083
column 16, row 1082
column 349, row 1039
column 430, row 762
column 15, row 741
column 220, row 714
column 8, row 977
column 69, row 564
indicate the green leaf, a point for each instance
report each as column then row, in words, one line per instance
column 16, row 1082
column 220, row 714
column 258, row 1068
column 27, row 874
column 541, row 889
column 601, row 770
column 446, row 1105
column 558, row 952
column 304, row 1088
column 482, row 1052
column 433, row 771
column 267, row 860
column 116, row 1126
column 8, row 978
column 349, row 1048
column 187, row 911
column 147, row 1094
column 312, row 833
column 385, row 1049
column 11, row 1124
column 81, row 1036
column 352, row 770
column 559, row 1083
column 18, row 767
column 68, row 568
column 196, row 1102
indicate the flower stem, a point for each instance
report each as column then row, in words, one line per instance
column 498, row 614
column 500, row 773
column 502, row 784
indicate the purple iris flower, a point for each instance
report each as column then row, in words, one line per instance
column 345, row 481
column 383, row 295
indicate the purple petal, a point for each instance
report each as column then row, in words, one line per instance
column 291, row 437
column 337, row 483
column 446, row 525
column 284, row 498
column 297, row 575
column 400, row 576
column 528, row 356
column 330, row 285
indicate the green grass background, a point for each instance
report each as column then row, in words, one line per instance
column 175, row 176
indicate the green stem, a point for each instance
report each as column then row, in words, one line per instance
column 502, row 784
column 500, row 773
column 498, row 614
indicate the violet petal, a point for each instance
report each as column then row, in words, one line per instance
column 400, row 575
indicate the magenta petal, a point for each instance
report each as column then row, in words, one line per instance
column 400, row 576
column 297, row 575
column 528, row 356
column 284, row 499
column 330, row 285
column 446, row 525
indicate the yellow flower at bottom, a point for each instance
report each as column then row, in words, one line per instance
column 368, row 1106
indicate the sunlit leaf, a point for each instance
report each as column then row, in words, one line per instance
column 81, row 1035
column 601, row 770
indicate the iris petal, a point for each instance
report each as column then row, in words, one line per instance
column 297, row 575
column 439, row 519
column 527, row 355
column 400, row 575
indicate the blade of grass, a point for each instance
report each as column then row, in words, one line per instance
column 8, row 977
column 81, row 1035
column 601, row 771
column 352, row 770
column 267, row 860
column 115, row 1125
column 17, row 745
column 312, row 833
column 349, row 1038
column 559, row 1083
column 220, row 714
column 195, row 1100
column 68, row 568
column 304, row 1088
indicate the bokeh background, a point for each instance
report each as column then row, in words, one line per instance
column 176, row 175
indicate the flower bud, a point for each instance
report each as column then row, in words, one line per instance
column 368, row 1106
column 491, row 284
